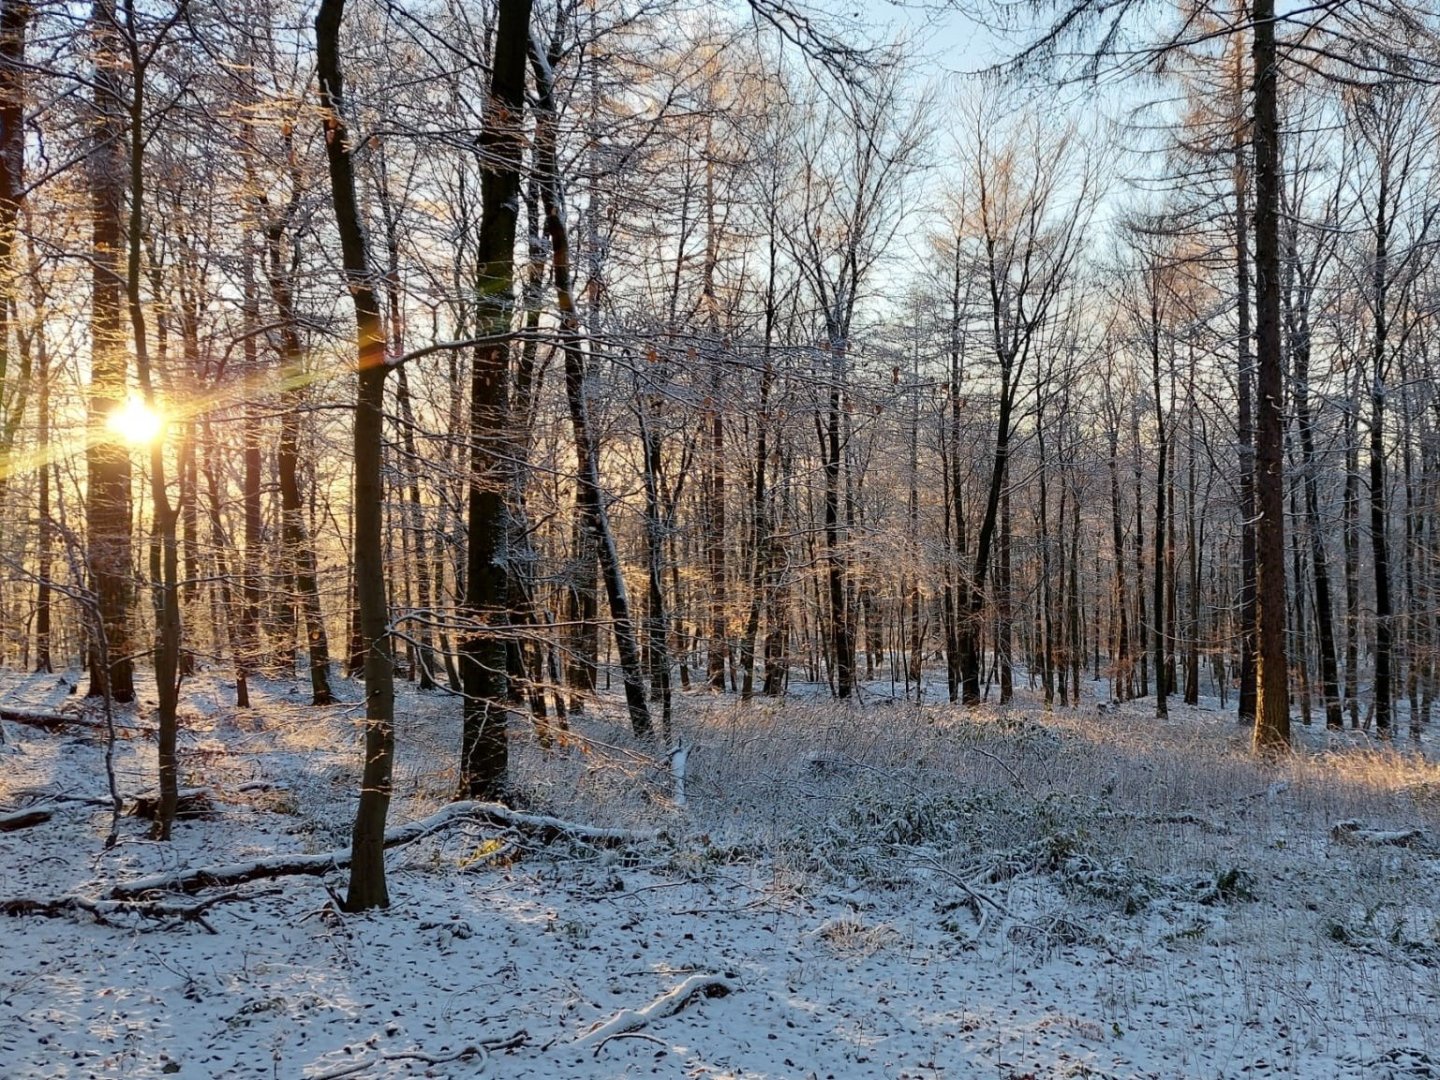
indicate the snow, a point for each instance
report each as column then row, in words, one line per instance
column 1005, row 893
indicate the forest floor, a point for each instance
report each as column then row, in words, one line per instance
column 890, row 890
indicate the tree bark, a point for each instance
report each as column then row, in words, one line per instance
column 107, row 507
column 367, row 887
column 1272, row 706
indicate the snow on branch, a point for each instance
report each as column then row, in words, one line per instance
column 667, row 1004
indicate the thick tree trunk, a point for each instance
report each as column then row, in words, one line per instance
column 107, row 506
column 14, row 18
column 484, row 755
column 1272, row 705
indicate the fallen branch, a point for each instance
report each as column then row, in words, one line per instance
column 481, row 1050
column 667, row 1004
column 968, row 889
column 103, row 911
column 463, row 1054
column 547, row 828
column 51, row 795
column 629, row 1035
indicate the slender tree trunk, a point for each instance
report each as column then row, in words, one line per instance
column 587, row 479
column 250, row 491
column 836, row 560
column 1122, row 675
column 1005, row 600
column 1248, row 624
column 1350, row 512
column 44, row 567
column 367, row 888
column 1379, row 510
column 299, row 549
column 1143, row 627
column 1320, row 571
column 1162, row 462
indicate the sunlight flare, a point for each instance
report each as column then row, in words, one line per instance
column 136, row 422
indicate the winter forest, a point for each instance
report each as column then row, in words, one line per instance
column 586, row 538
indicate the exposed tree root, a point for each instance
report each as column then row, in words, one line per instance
column 667, row 1004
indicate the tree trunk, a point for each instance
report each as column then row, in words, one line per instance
column 1162, row 683
column 1122, row 676
column 1246, row 705
column 587, row 479
column 107, row 506
column 367, row 887
column 1320, row 571
column 1272, row 706
column 484, row 755
column 299, row 549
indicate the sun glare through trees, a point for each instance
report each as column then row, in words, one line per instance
column 136, row 422
column 571, row 538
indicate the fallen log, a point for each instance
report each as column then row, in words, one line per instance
column 54, row 721
column 24, row 819
column 545, row 827
column 49, row 721
column 1355, row 832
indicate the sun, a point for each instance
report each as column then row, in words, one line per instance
column 136, row 422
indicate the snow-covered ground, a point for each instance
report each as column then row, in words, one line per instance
column 892, row 891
